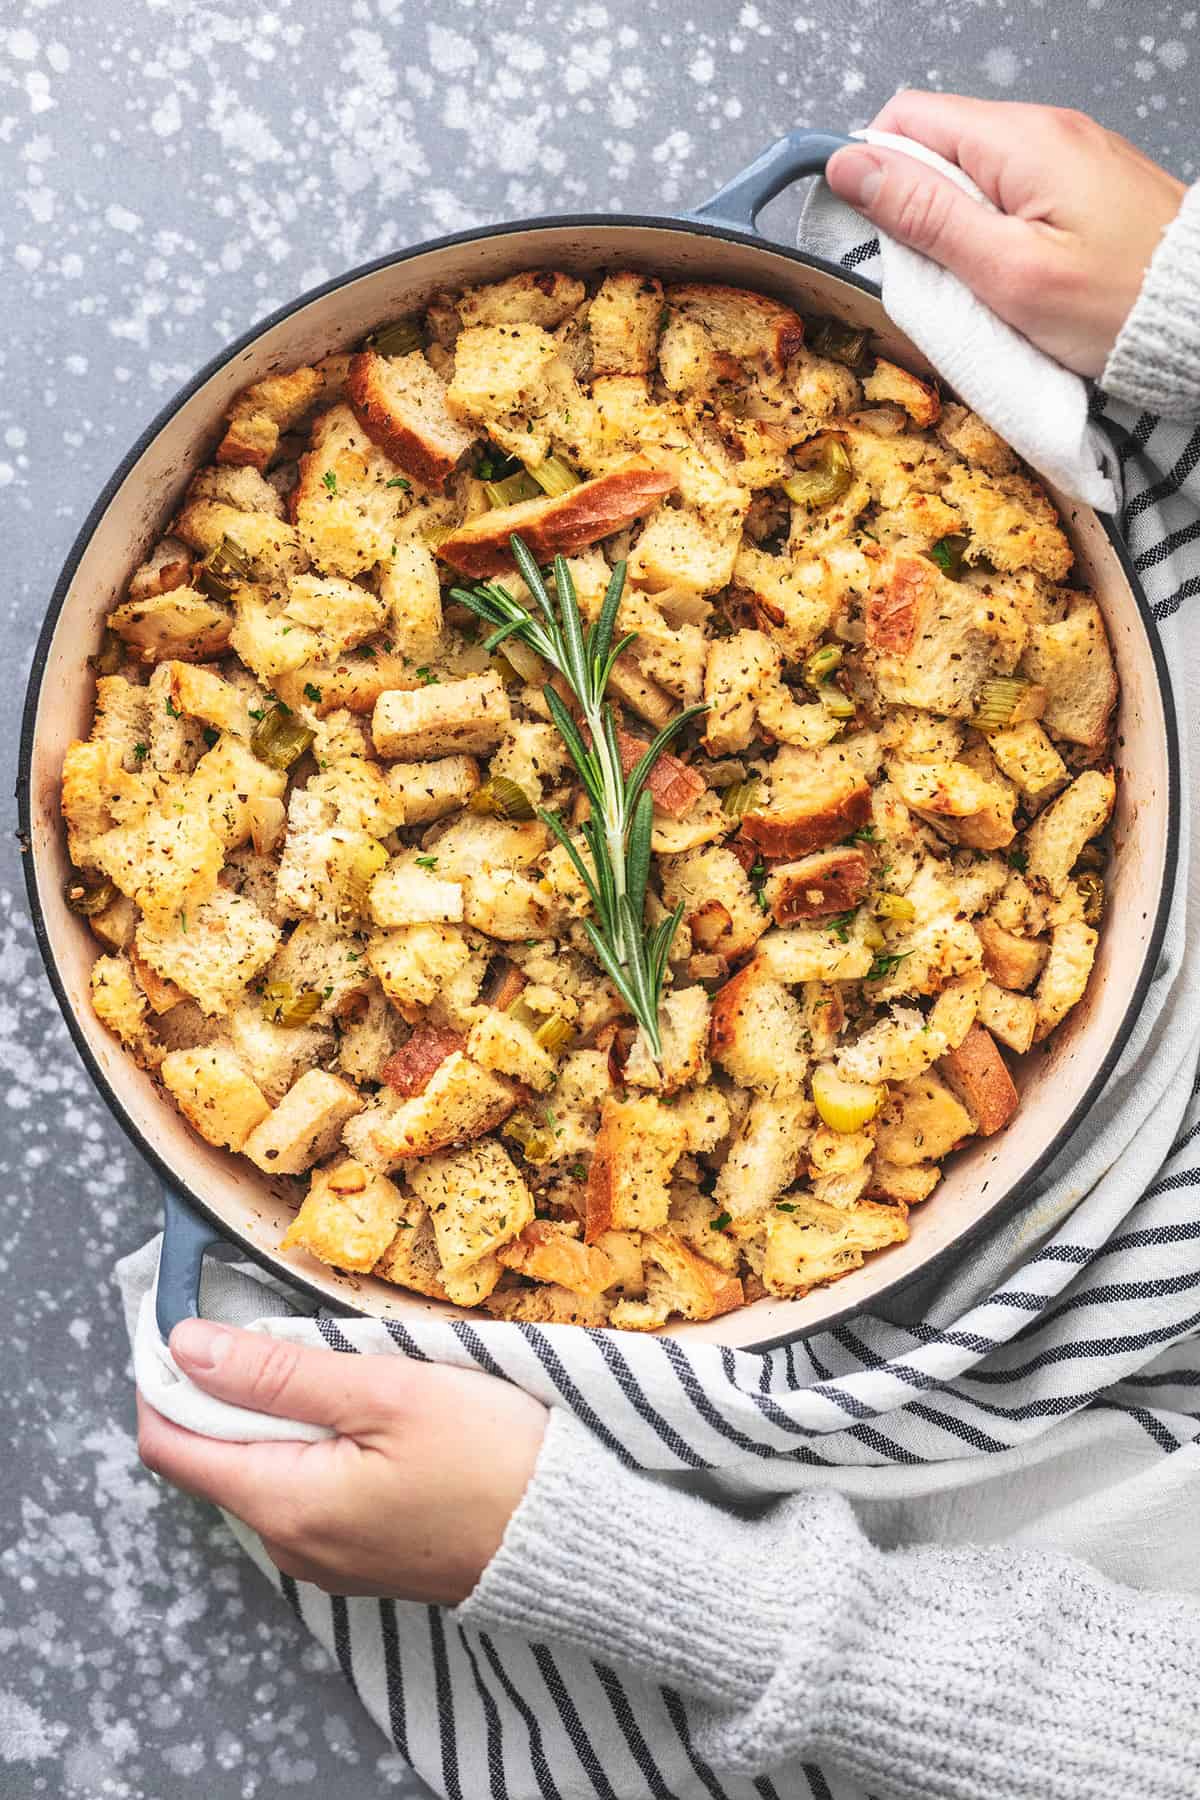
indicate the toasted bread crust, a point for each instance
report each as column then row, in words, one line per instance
column 427, row 449
column 979, row 1076
column 789, row 835
column 560, row 525
column 829, row 881
column 892, row 612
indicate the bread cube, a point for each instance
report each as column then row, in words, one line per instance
column 638, row 1145
column 214, row 1093
column 477, row 1199
column 305, row 1126
column 444, row 718
column 348, row 1217
column 814, row 1241
column 213, row 952
column 460, row 1102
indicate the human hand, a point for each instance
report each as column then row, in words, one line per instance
column 1081, row 212
column 411, row 1497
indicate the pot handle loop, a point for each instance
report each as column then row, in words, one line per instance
column 739, row 202
column 186, row 1237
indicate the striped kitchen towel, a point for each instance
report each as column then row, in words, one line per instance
column 1042, row 1391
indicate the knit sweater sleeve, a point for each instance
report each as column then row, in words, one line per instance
column 1155, row 362
column 946, row 1674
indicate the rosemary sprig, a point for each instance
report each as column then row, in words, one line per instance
column 617, row 833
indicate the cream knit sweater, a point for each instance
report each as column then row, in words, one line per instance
column 946, row 1674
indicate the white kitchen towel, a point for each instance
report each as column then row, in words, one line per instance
column 1036, row 405
column 1043, row 1390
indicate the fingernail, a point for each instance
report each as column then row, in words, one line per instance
column 201, row 1343
column 856, row 177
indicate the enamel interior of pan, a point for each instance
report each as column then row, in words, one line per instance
column 1057, row 1082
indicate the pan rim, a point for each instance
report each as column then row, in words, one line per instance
column 1005, row 1202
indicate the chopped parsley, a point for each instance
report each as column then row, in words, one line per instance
column 141, row 751
column 173, row 709
column 312, row 692
column 1018, row 860
column 721, row 1221
column 354, row 956
column 428, row 678
column 577, row 1171
column 840, row 925
column 399, row 481
column 427, row 862
column 258, row 712
column 784, row 1206
column 330, row 480
column 940, row 554
column 884, row 963
column 366, row 652
column 866, row 834
column 210, row 736
column 327, row 993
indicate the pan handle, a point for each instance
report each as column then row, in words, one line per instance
column 186, row 1237
column 739, row 202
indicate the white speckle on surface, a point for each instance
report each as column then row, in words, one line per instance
column 1001, row 66
column 25, row 1736
column 167, row 117
column 121, row 219
column 21, row 45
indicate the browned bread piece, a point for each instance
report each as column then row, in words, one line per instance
column 699, row 1289
column 549, row 1305
column 179, row 625
column 550, row 1250
column 400, row 402
column 169, row 565
column 793, row 827
column 629, row 1181
column 214, row 1093
column 120, row 1003
column 460, row 1102
column 974, row 440
column 1011, row 961
column 348, row 1217
column 1074, row 663
column 305, row 1126
column 1056, row 837
column 979, row 1076
column 559, row 524
column 829, row 881
column 920, row 399
column 261, row 413
column 814, row 1240
column 757, row 1033
column 411, row 1260
column 542, row 297
column 750, row 327
column 1011, row 521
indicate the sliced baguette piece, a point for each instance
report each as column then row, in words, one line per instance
column 559, row 524
column 400, row 402
column 979, row 1076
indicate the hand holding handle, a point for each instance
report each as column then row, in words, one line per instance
column 739, row 202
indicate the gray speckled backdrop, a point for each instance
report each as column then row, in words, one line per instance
column 173, row 169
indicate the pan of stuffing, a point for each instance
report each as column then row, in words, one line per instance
column 565, row 780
